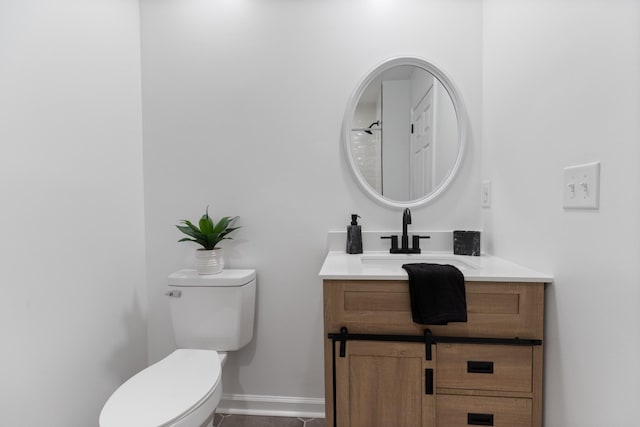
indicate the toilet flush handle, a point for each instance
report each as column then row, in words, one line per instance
column 175, row 294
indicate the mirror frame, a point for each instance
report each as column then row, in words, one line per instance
column 461, row 115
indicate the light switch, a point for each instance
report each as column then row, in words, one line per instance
column 582, row 186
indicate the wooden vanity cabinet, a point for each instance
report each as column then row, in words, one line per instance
column 387, row 383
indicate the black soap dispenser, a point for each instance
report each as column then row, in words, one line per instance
column 354, row 236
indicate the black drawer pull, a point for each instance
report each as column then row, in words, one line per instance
column 479, row 419
column 474, row 367
column 428, row 381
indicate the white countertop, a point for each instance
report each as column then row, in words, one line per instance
column 382, row 266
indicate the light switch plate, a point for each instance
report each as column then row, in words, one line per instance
column 582, row 186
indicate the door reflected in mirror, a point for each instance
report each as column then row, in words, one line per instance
column 405, row 137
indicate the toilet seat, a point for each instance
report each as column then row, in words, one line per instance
column 166, row 392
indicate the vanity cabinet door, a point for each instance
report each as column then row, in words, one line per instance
column 381, row 384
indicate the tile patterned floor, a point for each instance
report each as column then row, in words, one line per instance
column 223, row 420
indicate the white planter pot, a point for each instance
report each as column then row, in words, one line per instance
column 209, row 261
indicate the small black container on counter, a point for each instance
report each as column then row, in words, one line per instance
column 354, row 236
column 466, row 243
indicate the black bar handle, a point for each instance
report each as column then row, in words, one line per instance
column 428, row 381
column 394, row 241
column 416, row 241
column 477, row 367
column 479, row 419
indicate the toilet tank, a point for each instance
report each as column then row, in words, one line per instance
column 212, row 312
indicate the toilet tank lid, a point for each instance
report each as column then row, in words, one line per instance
column 228, row 277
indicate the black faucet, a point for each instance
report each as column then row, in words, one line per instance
column 405, row 249
column 406, row 219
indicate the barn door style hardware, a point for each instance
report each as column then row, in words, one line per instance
column 428, row 339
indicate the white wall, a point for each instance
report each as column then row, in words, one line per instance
column 562, row 87
column 72, row 304
column 243, row 104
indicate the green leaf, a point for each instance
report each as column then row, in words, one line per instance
column 230, row 229
column 195, row 233
column 186, row 239
column 206, row 224
column 189, row 231
column 221, row 225
column 191, row 226
column 213, row 239
column 206, row 245
column 201, row 241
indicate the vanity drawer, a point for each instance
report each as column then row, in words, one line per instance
column 484, row 367
column 494, row 309
column 463, row 411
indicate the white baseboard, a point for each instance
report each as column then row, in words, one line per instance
column 275, row 406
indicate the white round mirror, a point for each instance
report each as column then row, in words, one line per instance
column 404, row 132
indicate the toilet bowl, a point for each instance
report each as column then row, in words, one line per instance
column 181, row 390
column 211, row 315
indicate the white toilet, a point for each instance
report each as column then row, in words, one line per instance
column 211, row 315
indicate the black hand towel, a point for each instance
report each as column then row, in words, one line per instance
column 437, row 293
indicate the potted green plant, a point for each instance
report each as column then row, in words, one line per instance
column 208, row 234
